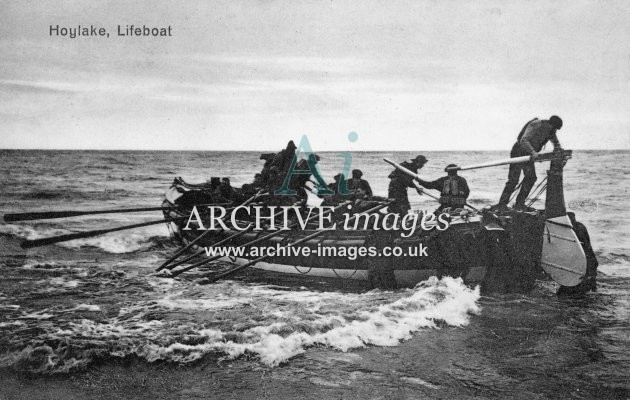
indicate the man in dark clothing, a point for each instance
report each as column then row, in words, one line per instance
column 400, row 182
column 298, row 182
column 226, row 190
column 336, row 197
column 534, row 135
column 264, row 173
column 357, row 183
column 590, row 279
column 453, row 189
column 334, row 186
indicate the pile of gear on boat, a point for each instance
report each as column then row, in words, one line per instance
column 453, row 188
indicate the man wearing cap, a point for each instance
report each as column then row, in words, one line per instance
column 398, row 184
column 534, row 135
column 357, row 183
column 453, row 189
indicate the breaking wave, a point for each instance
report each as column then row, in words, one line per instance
column 239, row 323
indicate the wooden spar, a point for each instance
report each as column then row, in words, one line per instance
column 81, row 235
column 257, row 240
column 416, row 176
column 299, row 241
column 207, row 232
column 30, row 216
column 517, row 160
column 424, row 191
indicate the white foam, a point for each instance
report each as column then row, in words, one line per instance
column 447, row 300
column 199, row 304
column 274, row 325
column 117, row 243
column 123, row 242
column 87, row 307
column 11, row 323
column 36, row 315
column 60, row 281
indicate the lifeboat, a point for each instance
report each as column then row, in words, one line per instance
column 503, row 250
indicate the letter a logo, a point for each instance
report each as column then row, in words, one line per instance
column 304, row 147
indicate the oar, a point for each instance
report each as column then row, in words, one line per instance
column 416, row 176
column 172, row 274
column 81, row 235
column 257, row 240
column 200, row 252
column 29, row 216
column 207, row 232
column 517, row 160
column 299, row 241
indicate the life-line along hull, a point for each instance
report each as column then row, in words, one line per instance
column 505, row 258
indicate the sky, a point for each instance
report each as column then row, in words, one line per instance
column 251, row 75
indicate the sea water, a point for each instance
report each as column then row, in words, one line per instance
column 78, row 307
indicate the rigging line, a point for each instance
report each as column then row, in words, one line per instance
column 535, row 199
column 515, row 191
column 539, row 184
column 538, row 192
column 537, row 196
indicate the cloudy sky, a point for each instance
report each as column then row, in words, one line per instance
column 404, row 75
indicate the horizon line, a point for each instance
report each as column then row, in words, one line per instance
column 269, row 150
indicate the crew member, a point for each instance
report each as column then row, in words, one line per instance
column 357, row 183
column 298, row 181
column 400, row 182
column 264, row 173
column 334, row 186
column 534, row 135
column 226, row 190
column 453, row 189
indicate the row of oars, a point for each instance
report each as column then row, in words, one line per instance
column 31, row 216
column 169, row 265
column 267, row 236
column 39, row 215
column 215, row 278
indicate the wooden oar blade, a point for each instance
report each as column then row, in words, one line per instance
column 27, row 244
column 30, row 216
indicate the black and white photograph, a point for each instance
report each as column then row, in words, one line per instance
column 304, row 199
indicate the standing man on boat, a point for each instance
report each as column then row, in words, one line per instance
column 534, row 135
column 400, row 182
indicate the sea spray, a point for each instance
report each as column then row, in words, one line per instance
column 237, row 319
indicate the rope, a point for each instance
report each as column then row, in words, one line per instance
column 540, row 183
column 300, row 272
column 515, row 191
column 341, row 277
column 540, row 192
column 535, row 199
